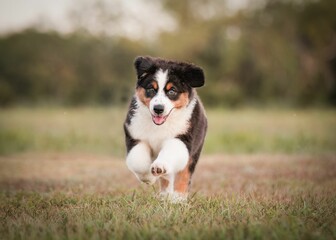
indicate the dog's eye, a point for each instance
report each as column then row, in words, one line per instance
column 150, row 92
column 172, row 92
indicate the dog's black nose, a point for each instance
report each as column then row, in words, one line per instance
column 158, row 109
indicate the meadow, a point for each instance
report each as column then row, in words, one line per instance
column 263, row 174
column 100, row 131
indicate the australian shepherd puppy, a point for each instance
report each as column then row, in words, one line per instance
column 165, row 125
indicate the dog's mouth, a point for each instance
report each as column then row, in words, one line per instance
column 160, row 119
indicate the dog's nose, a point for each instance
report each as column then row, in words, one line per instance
column 158, row 109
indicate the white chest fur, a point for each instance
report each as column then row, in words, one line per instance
column 142, row 127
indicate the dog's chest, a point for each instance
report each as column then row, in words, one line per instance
column 142, row 128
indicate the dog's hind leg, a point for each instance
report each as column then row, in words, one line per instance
column 139, row 161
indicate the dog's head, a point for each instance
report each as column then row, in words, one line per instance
column 166, row 85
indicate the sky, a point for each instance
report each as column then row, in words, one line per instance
column 16, row 15
column 19, row 14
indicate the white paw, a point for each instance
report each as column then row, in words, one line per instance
column 159, row 168
column 147, row 178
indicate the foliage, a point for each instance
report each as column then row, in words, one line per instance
column 72, row 69
column 282, row 51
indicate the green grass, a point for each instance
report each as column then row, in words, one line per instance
column 99, row 130
column 138, row 215
column 91, row 130
column 272, row 131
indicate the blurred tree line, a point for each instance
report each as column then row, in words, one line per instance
column 277, row 52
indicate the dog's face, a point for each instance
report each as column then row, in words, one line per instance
column 166, row 85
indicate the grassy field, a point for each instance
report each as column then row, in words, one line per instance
column 99, row 130
column 264, row 174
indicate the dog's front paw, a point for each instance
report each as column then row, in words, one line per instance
column 158, row 168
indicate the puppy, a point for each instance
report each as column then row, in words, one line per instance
column 165, row 125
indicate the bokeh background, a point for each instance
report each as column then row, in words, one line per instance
column 255, row 53
column 67, row 75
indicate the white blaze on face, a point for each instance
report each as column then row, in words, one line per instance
column 161, row 98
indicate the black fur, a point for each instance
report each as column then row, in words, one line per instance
column 194, row 138
column 131, row 110
column 187, row 73
column 129, row 141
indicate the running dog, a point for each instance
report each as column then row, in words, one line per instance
column 165, row 125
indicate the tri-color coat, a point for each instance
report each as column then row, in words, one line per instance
column 165, row 125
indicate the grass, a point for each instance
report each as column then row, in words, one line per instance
column 137, row 216
column 264, row 174
column 69, row 196
column 99, row 130
column 272, row 131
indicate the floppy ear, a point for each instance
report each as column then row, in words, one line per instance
column 143, row 65
column 194, row 76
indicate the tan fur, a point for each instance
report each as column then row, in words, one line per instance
column 163, row 184
column 182, row 101
column 155, row 85
column 169, row 86
column 181, row 183
column 182, row 179
column 142, row 96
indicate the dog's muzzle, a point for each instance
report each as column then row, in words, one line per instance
column 158, row 118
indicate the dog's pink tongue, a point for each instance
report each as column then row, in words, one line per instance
column 158, row 120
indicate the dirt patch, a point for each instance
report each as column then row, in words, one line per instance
column 217, row 174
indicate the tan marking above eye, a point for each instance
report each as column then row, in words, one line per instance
column 169, row 86
column 155, row 85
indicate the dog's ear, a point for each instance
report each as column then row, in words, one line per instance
column 194, row 76
column 143, row 65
